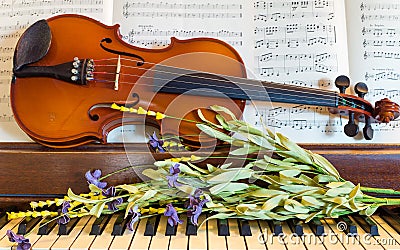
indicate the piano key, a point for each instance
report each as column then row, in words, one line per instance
column 313, row 241
column 292, row 243
column 160, row 241
column 140, row 241
column 223, row 227
column 317, row 227
column 179, row 241
column 5, row 244
column 366, row 240
column 386, row 231
column 297, row 226
column 65, row 241
column 85, row 239
column 151, row 226
column 46, row 241
column 244, row 227
column 198, row 241
column 3, row 219
column 271, row 240
column 123, row 241
column 170, row 230
column 348, row 242
column 99, row 224
column 27, row 225
column 276, row 227
column 330, row 239
column 351, row 228
column 65, row 229
column 234, row 241
column 214, row 240
column 368, row 225
column 46, row 226
column 254, row 241
column 104, row 240
column 120, row 224
column 391, row 218
column 190, row 228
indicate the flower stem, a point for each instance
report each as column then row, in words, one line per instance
column 380, row 191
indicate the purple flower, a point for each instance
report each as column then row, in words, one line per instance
column 134, row 219
column 93, row 178
column 194, row 199
column 173, row 177
column 196, row 211
column 112, row 205
column 156, row 143
column 64, row 211
column 23, row 243
column 173, row 219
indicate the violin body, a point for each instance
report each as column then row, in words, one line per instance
column 58, row 113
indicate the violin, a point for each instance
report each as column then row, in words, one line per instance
column 68, row 70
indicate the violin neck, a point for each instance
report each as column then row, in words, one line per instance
column 206, row 84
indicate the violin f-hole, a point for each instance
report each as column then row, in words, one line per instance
column 122, row 53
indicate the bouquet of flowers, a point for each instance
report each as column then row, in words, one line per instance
column 292, row 183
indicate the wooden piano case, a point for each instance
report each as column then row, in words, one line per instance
column 30, row 171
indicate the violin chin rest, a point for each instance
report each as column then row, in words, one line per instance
column 33, row 45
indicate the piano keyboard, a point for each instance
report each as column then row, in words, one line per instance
column 380, row 231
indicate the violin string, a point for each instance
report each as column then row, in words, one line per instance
column 324, row 93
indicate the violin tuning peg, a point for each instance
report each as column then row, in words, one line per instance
column 368, row 131
column 342, row 83
column 351, row 128
column 361, row 89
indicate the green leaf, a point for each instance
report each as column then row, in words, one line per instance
column 222, row 121
column 203, row 171
column 295, row 206
column 95, row 189
column 153, row 174
column 263, row 192
column 260, row 141
column 311, row 202
column 275, row 202
column 186, row 189
column 97, row 209
column 218, row 108
column 232, row 174
column 321, row 161
column 130, row 188
column 334, row 192
column 201, row 116
column 323, row 178
column 228, row 187
column 78, row 198
column 215, row 133
column 247, row 149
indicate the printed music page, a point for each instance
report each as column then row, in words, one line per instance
column 374, row 58
column 15, row 17
column 293, row 42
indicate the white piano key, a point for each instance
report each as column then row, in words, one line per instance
column 46, row 241
column 160, row 241
column 141, row 242
column 235, row 241
column 272, row 242
column 180, row 240
column 310, row 240
column 215, row 242
column 254, row 242
column 11, row 225
column 84, row 240
column 104, row 240
column 65, row 241
column 123, row 242
column 386, row 233
column 349, row 242
column 199, row 241
column 292, row 242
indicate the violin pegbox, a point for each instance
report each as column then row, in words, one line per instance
column 360, row 110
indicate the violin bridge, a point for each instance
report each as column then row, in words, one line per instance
column 116, row 83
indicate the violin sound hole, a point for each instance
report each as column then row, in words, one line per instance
column 108, row 40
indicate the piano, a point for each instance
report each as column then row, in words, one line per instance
column 32, row 172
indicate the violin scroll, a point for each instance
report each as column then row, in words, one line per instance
column 386, row 110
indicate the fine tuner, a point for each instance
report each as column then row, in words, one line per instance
column 63, row 88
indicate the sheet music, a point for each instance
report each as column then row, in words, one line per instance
column 15, row 17
column 374, row 30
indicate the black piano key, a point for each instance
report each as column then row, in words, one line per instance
column 367, row 224
column 27, row 224
column 317, row 227
column 65, row 229
column 171, row 230
column 4, row 216
column 276, row 227
column 349, row 227
column 391, row 218
column 46, row 226
column 191, row 229
column 99, row 224
column 244, row 227
column 151, row 226
column 223, row 227
column 297, row 226
column 120, row 225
